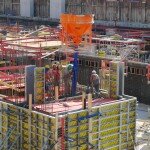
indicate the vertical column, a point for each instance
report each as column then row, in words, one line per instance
column 90, row 119
column 0, row 121
column 63, row 134
column 56, row 130
column 99, row 131
column 29, row 121
column 39, row 85
column 120, row 135
column 83, row 99
column 56, row 93
column 128, row 127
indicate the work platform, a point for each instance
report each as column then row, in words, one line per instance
column 71, row 105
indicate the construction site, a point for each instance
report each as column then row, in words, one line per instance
column 82, row 84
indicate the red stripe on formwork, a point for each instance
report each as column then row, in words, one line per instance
column 12, row 67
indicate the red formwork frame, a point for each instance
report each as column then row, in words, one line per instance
column 10, row 51
column 15, row 29
column 13, row 81
column 148, row 73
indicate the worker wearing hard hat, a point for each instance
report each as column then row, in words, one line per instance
column 67, row 78
column 56, row 74
column 95, row 83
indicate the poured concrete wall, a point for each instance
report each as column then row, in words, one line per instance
column 27, row 8
column 113, row 13
column 41, row 8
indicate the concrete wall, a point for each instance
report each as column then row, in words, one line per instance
column 41, row 8
column 113, row 13
column 27, row 8
column 57, row 7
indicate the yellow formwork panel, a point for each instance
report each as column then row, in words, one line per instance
column 124, row 127
column 73, row 123
column 114, row 112
column 109, row 144
column 83, row 127
column 110, row 119
column 114, row 96
column 83, row 113
column 39, row 131
column 95, row 122
column 124, row 146
column 132, row 126
column 25, row 132
column 123, row 140
column 110, row 131
column 124, row 134
column 33, row 135
column 113, row 78
column 25, row 146
column 110, row 107
column 106, row 126
column 83, row 121
column 113, row 84
column 132, row 113
column 73, row 130
column 39, row 90
column 110, row 138
column 83, row 134
column 73, row 116
column 113, row 89
column 124, row 110
column 4, row 130
column 114, row 148
column 4, row 124
column 95, row 128
column 95, row 136
column 25, row 126
column 83, row 147
column 124, row 122
column 95, row 142
column 39, row 84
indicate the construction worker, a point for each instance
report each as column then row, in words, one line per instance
column 95, row 83
column 56, row 74
column 67, row 78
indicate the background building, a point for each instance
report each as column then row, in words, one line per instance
column 123, row 13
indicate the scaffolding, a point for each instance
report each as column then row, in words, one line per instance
column 12, row 81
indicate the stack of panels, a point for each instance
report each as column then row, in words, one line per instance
column 114, row 79
column 39, row 85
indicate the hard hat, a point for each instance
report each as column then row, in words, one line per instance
column 54, row 65
column 47, row 66
column 93, row 72
column 70, row 66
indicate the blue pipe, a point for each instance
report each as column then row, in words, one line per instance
column 75, row 71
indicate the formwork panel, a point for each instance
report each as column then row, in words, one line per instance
column 107, row 121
